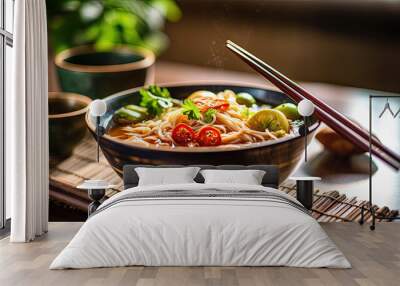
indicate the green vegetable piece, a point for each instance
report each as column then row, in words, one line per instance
column 245, row 98
column 209, row 115
column 125, row 116
column 141, row 110
column 191, row 110
column 247, row 112
column 159, row 91
column 155, row 99
column 290, row 110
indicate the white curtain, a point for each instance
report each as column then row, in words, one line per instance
column 27, row 124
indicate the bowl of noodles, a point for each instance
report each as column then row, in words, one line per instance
column 202, row 124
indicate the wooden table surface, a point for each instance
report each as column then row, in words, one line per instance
column 350, row 175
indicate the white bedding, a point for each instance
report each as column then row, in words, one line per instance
column 219, row 231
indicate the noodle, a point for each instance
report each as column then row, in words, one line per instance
column 231, row 123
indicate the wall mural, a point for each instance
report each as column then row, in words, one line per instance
column 107, row 51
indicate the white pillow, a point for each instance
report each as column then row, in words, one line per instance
column 248, row 177
column 166, row 176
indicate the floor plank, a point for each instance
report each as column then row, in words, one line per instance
column 375, row 257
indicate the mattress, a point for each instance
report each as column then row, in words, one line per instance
column 201, row 225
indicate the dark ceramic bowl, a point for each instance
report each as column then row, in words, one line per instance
column 285, row 153
column 66, row 122
column 97, row 74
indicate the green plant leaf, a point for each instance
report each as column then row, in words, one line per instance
column 156, row 42
column 106, row 23
column 169, row 9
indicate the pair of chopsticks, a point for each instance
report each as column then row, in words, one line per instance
column 331, row 117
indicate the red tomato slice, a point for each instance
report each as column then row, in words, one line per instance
column 183, row 134
column 221, row 105
column 209, row 136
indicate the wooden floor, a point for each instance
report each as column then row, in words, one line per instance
column 375, row 257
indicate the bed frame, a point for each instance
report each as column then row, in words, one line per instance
column 271, row 177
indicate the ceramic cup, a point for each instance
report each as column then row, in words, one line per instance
column 67, row 125
column 97, row 74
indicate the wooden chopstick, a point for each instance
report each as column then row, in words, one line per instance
column 324, row 116
column 336, row 125
column 363, row 133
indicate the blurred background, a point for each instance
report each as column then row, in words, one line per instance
column 346, row 42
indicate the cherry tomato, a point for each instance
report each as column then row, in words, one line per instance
column 209, row 136
column 183, row 134
column 206, row 104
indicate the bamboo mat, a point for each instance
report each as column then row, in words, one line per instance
column 328, row 206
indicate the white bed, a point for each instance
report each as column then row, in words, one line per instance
column 249, row 226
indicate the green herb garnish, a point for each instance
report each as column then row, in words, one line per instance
column 209, row 115
column 155, row 99
column 191, row 110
